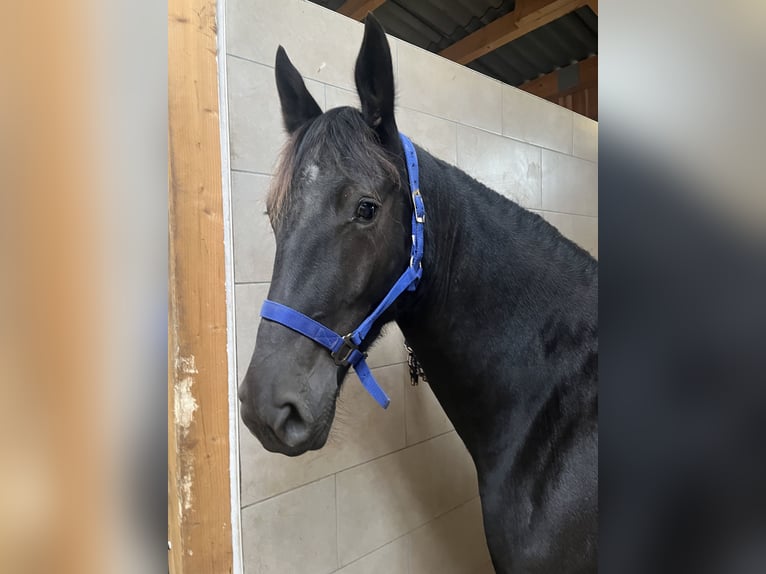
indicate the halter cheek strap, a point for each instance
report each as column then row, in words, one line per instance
column 345, row 349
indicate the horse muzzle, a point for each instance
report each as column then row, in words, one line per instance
column 285, row 424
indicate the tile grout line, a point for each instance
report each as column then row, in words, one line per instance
column 248, row 505
column 573, row 128
column 409, row 532
column 337, row 523
column 273, row 496
column 502, row 113
column 542, row 181
column 541, row 177
column 246, row 59
column 409, row 553
column 250, row 171
column 355, row 560
column 534, row 209
column 406, row 402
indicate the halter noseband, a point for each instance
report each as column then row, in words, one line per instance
column 345, row 350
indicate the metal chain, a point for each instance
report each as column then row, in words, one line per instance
column 416, row 369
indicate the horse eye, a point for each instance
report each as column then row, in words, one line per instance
column 366, row 209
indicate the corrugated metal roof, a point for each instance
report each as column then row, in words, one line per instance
column 436, row 24
column 565, row 41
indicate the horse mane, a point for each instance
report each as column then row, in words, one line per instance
column 345, row 141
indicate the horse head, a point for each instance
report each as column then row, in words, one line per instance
column 340, row 215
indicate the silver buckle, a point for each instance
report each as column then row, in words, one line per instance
column 418, row 218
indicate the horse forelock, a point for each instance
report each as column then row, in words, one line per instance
column 347, row 146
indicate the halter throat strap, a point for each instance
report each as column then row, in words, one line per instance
column 345, row 349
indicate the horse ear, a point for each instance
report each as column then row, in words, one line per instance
column 298, row 105
column 374, row 76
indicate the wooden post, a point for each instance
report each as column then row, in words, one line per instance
column 199, row 511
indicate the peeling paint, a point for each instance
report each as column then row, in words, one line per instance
column 184, row 407
column 186, row 490
column 187, row 365
column 185, row 403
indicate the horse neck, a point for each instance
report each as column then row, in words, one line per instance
column 497, row 281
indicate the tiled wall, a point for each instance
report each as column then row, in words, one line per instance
column 393, row 491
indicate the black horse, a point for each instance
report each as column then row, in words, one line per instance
column 503, row 321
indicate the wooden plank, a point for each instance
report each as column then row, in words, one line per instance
column 589, row 70
column 358, row 9
column 526, row 17
column 579, row 103
column 547, row 86
column 544, row 86
column 175, row 539
column 581, row 97
column 199, row 520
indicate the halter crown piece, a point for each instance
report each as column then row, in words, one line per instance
column 345, row 349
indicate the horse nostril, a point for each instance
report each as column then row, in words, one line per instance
column 290, row 426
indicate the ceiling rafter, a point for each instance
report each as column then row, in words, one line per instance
column 583, row 74
column 574, row 87
column 527, row 16
column 358, row 9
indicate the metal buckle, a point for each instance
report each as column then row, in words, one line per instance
column 419, row 218
column 344, row 352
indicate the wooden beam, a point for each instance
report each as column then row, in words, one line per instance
column 358, row 9
column 574, row 87
column 553, row 84
column 526, row 17
column 199, row 506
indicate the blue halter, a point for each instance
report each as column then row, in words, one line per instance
column 345, row 350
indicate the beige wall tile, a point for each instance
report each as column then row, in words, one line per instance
column 389, row 348
column 432, row 84
column 435, row 135
column 254, row 244
column 485, row 568
column 385, row 498
column 338, row 97
column 425, row 416
column 570, row 185
column 247, row 300
column 454, row 543
column 509, row 167
column 534, row 120
column 361, row 431
column 585, row 138
column 255, row 117
column 391, row 559
column 581, row 229
column 323, row 45
column 294, row 532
